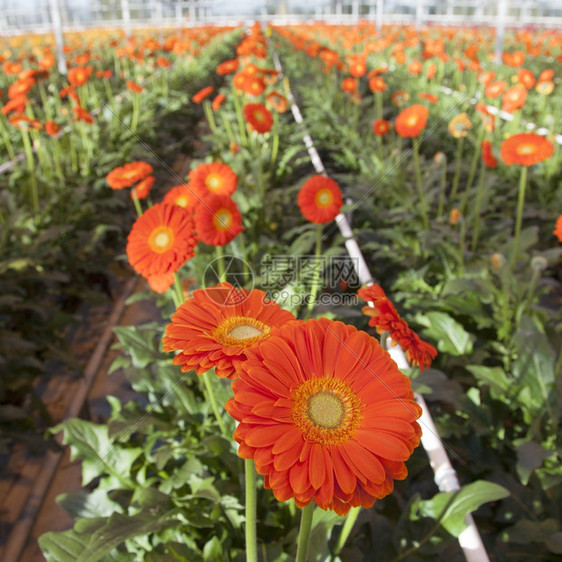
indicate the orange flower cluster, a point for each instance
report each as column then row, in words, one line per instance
column 129, row 174
column 385, row 318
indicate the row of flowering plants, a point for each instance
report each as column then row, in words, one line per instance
column 272, row 423
column 59, row 226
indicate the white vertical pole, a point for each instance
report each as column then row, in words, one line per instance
column 355, row 10
column 179, row 15
column 380, row 8
column 419, row 11
column 126, row 17
column 500, row 28
column 57, row 28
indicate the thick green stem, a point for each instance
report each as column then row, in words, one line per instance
column 346, row 529
column 178, row 293
column 442, row 188
column 519, row 218
column 214, row 405
column 240, row 118
column 317, row 269
column 419, row 183
column 251, row 510
column 472, row 172
column 136, row 201
column 7, row 140
column 220, row 263
column 275, row 139
column 304, row 532
column 228, row 129
column 209, row 115
column 457, row 175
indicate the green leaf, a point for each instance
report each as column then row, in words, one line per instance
column 323, row 523
column 62, row 547
column 89, row 504
column 451, row 508
column 495, row 377
column 451, row 337
column 140, row 345
column 99, row 454
column 530, row 455
column 212, row 551
column 547, row 532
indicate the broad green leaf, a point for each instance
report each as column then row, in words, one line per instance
column 452, row 507
column 500, row 385
column 450, row 336
column 139, row 344
column 323, row 523
column 526, row 531
column 99, row 454
column 62, row 547
column 89, row 504
column 212, row 551
column 530, row 455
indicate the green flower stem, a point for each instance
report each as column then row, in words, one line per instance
column 378, row 101
column 346, row 529
column 304, row 532
column 462, row 238
column 457, row 175
column 213, row 401
column 178, row 293
column 478, row 206
column 6, row 138
column 220, row 263
column 442, row 189
column 251, row 510
column 209, row 115
column 519, row 218
column 419, row 183
column 44, row 100
column 275, row 139
column 136, row 111
column 228, row 128
column 240, row 118
column 137, row 204
column 317, row 269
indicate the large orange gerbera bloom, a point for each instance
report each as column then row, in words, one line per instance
column 182, row 196
column 213, row 179
column 526, row 149
column 218, row 220
column 162, row 240
column 325, row 414
column 79, row 75
column 258, row 117
column 558, row 228
column 385, row 318
column 127, row 175
column 217, row 326
column 411, row 121
column 320, row 199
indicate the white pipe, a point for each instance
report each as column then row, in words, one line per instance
column 57, row 25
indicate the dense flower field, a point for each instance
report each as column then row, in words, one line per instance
column 363, row 258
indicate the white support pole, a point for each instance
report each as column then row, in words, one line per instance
column 419, row 14
column 380, row 9
column 500, row 28
column 179, row 15
column 59, row 40
column 355, row 10
column 126, row 17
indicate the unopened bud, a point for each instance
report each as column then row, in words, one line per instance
column 539, row 263
column 440, row 158
column 497, row 261
column 454, row 217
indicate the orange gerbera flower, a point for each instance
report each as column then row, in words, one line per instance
column 52, row 128
column 202, row 94
column 213, row 179
column 349, row 85
column 127, row 175
column 487, row 155
column 495, row 89
column 133, row 87
column 218, row 220
column 459, row 125
column 385, row 318
column 20, row 88
column 162, row 240
column 142, row 189
column 377, row 84
column 558, row 229
column 183, row 196
column 411, row 121
column 227, row 67
column 277, row 100
column 399, row 98
column 82, row 114
column 381, row 127
column 431, row 98
column 254, row 85
column 217, row 326
column 79, row 75
column 258, row 117
column 526, row 149
column 325, row 414
column 16, row 104
column 357, row 67
column 514, row 98
column 320, row 199
column 526, row 77
column 415, row 67
column 217, row 102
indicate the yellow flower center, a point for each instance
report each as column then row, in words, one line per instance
column 222, row 219
column 525, row 149
column 181, row 201
column 412, row 120
column 161, row 239
column 326, row 410
column 241, row 331
column 259, row 116
column 324, row 198
column 213, row 182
